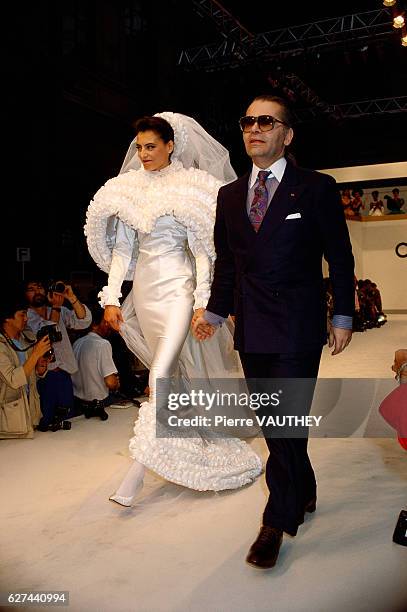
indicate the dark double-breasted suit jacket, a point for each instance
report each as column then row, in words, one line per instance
column 272, row 281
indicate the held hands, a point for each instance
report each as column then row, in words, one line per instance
column 198, row 312
column 339, row 339
column 201, row 329
column 113, row 316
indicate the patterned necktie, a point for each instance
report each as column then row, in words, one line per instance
column 260, row 200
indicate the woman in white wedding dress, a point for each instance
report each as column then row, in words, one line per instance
column 153, row 224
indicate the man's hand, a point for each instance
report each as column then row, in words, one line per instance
column 339, row 339
column 41, row 347
column 41, row 365
column 201, row 329
column 56, row 299
column 69, row 294
column 197, row 313
column 113, row 315
column 77, row 305
column 113, row 382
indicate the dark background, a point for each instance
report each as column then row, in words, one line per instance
column 77, row 74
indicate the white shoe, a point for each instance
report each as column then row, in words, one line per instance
column 123, row 501
column 126, row 501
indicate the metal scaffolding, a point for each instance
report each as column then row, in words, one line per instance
column 225, row 22
column 354, row 110
column 240, row 47
column 243, row 47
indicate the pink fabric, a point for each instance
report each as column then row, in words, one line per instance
column 394, row 410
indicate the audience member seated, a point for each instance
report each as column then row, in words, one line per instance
column 357, row 202
column 394, row 410
column 96, row 376
column 346, row 203
column 47, row 309
column 394, row 407
column 395, row 204
column 22, row 360
column 368, row 305
column 376, row 205
column 133, row 374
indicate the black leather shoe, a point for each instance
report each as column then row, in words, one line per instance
column 264, row 552
column 88, row 412
column 102, row 414
column 311, row 506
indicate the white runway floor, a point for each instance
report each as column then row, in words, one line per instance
column 180, row 550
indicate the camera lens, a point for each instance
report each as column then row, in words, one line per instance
column 59, row 287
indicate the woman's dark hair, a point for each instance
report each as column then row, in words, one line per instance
column 286, row 114
column 97, row 313
column 159, row 126
column 11, row 303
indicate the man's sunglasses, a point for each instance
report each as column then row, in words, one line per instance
column 265, row 123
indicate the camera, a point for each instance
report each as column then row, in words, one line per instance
column 57, row 287
column 53, row 334
column 51, row 331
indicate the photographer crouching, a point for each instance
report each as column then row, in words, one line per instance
column 22, row 361
column 46, row 309
column 96, row 379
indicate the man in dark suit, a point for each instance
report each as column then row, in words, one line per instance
column 273, row 226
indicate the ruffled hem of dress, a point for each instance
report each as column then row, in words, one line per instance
column 195, row 463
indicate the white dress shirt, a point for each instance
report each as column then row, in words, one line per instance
column 95, row 361
column 64, row 357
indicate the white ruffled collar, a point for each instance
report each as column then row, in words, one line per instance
column 140, row 197
column 153, row 175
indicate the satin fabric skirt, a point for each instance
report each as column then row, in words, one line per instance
column 157, row 316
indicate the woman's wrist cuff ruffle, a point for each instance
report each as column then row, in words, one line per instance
column 107, row 298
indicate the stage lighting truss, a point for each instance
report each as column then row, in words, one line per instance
column 236, row 51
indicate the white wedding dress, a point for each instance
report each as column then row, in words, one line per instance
column 172, row 276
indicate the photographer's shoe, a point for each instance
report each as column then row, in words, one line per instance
column 102, row 414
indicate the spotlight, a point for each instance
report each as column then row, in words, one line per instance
column 404, row 40
column 389, row 2
column 398, row 21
